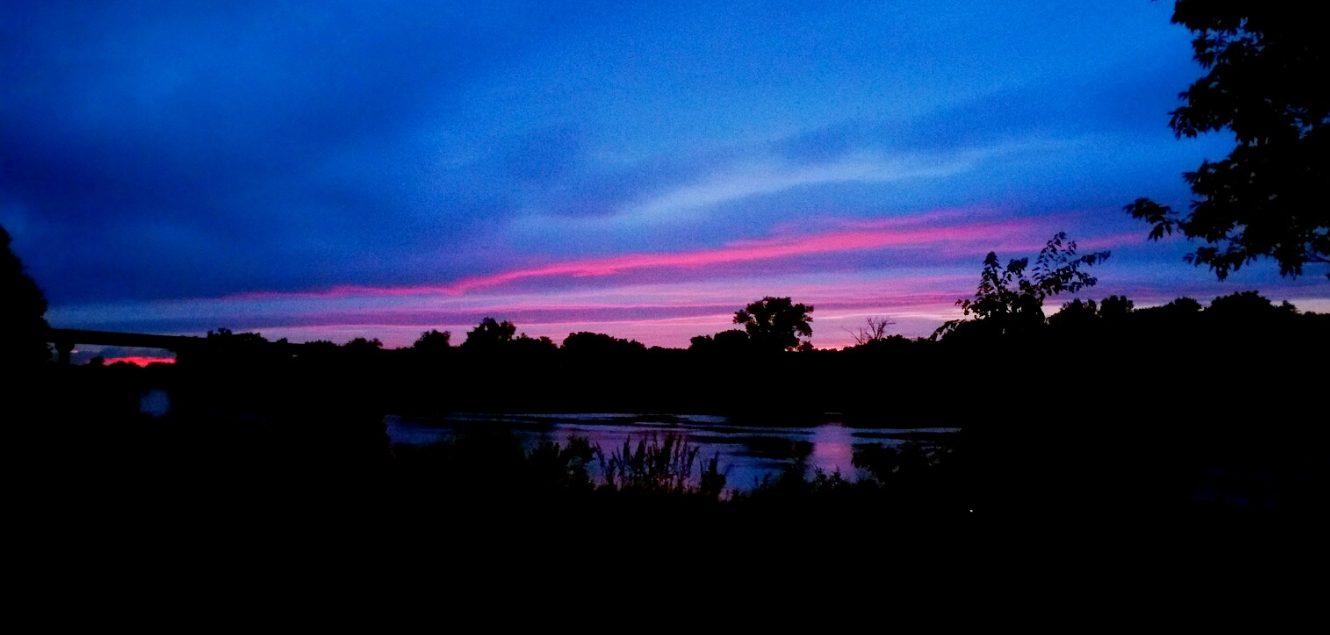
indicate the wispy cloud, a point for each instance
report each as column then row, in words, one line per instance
column 764, row 179
column 772, row 176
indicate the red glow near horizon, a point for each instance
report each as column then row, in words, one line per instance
column 140, row 361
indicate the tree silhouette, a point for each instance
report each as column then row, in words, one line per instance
column 1116, row 307
column 874, row 332
column 490, row 333
column 526, row 345
column 1248, row 307
column 775, row 324
column 433, row 342
column 730, row 342
column 1075, row 315
column 1007, row 301
column 23, row 329
column 363, row 346
column 227, row 337
column 1267, row 66
column 1078, row 316
column 591, row 344
column 225, row 348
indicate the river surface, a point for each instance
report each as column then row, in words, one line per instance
column 747, row 453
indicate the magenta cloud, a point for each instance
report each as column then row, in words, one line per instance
column 854, row 236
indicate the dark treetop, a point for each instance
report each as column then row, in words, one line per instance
column 1265, row 83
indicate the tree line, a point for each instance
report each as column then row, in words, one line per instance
column 1008, row 339
column 1009, row 305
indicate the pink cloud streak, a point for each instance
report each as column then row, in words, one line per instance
column 744, row 251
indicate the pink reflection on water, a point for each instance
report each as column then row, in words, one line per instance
column 745, row 452
column 833, row 449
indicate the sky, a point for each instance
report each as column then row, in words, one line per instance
column 329, row 170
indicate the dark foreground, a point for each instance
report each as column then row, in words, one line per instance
column 220, row 517
column 110, row 468
column 1199, row 456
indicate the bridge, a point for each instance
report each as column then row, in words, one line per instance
column 66, row 339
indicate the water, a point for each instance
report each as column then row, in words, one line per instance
column 747, row 453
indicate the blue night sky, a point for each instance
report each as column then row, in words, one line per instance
column 326, row 170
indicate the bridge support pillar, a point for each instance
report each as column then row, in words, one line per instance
column 64, row 348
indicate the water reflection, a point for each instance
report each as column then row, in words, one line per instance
column 747, row 453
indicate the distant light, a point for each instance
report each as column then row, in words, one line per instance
column 155, row 403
